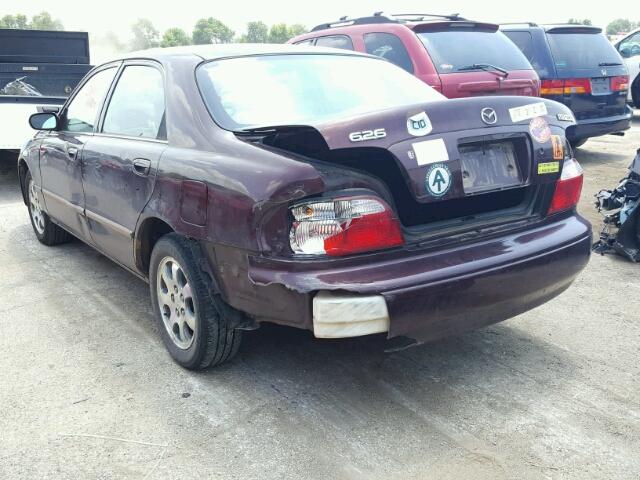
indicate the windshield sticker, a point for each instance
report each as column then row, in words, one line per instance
column 549, row 167
column 365, row 135
column 419, row 125
column 565, row 117
column 438, row 179
column 518, row 114
column 557, row 147
column 539, row 129
column 430, row 151
column 446, row 66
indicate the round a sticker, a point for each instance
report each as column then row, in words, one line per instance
column 539, row 129
column 438, row 179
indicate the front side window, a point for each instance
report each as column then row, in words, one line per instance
column 137, row 105
column 335, row 41
column 389, row 47
column 82, row 113
column 294, row 89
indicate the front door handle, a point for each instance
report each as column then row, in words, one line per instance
column 72, row 153
column 141, row 166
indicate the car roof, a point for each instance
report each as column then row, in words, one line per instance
column 551, row 27
column 218, row 51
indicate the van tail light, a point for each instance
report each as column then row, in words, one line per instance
column 577, row 85
column 566, row 87
column 343, row 226
column 568, row 187
column 552, row 87
column 620, row 83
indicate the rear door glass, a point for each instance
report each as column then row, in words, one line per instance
column 335, row 41
column 389, row 47
column 579, row 51
column 137, row 104
column 452, row 50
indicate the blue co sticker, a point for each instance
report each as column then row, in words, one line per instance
column 438, row 179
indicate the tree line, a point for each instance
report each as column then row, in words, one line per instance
column 211, row 30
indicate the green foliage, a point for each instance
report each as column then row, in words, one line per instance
column 575, row 21
column 297, row 29
column 621, row 25
column 41, row 21
column 145, row 35
column 279, row 33
column 174, row 37
column 257, row 32
column 211, row 30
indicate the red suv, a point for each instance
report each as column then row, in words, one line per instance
column 457, row 57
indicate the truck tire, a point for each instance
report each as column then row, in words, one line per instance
column 47, row 232
column 189, row 315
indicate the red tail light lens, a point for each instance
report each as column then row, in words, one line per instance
column 577, row 85
column 566, row 87
column 552, row 87
column 344, row 226
column 620, row 84
column 568, row 187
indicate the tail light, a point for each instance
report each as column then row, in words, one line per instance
column 343, row 226
column 565, row 87
column 620, row 84
column 568, row 187
column 552, row 87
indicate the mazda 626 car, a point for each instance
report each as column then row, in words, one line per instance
column 316, row 188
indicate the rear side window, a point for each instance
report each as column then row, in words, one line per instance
column 335, row 41
column 136, row 108
column 389, row 47
column 84, row 107
column 524, row 41
column 452, row 50
column 574, row 51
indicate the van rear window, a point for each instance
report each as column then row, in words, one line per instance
column 452, row 50
column 581, row 50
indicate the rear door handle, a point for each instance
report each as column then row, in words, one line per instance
column 141, row 166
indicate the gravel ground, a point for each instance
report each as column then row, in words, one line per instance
column 88, row 392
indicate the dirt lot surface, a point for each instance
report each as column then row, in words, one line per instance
column 87, row 390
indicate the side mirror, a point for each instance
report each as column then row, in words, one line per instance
column 625, row 52
column 43, row 121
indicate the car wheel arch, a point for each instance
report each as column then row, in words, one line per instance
column 148, row 232
column 23, row 168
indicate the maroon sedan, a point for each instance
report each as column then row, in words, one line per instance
column 315, row 188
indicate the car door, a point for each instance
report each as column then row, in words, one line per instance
column 629, row 49
column 61, row 152
column 121, row 160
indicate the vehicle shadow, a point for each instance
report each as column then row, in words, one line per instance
column 9, row 185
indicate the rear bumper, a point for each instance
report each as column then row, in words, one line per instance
column 434, row 294
column 600, row 126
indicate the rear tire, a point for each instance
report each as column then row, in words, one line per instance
column 635, row 92
column 190, row 318
column 47, row 232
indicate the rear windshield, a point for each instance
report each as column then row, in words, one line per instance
column 272, row 90
column 581, row 50
column 452, row 50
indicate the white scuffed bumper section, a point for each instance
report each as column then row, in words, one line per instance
column 339, row 315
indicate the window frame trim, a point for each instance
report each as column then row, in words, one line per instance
column 62, row 116
column 105, row 106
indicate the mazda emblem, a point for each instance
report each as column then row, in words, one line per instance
column 489, row 116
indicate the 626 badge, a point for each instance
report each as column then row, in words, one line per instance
column 438, row 179
column 367, row 135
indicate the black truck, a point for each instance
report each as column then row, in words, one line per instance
column 38, row 68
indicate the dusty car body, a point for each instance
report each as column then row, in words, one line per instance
column 494, row 234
